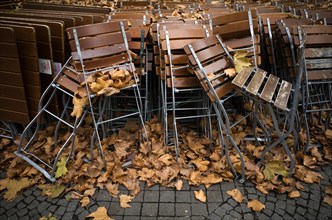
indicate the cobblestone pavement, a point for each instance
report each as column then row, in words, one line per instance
column 167, row 203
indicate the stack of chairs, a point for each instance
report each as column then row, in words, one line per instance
column 96, row 49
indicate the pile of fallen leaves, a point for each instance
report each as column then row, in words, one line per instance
column 201, row 161
column 105, row 83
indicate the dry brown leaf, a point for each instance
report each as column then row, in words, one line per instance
column 255, row 205
column 167, row 159
column 230, row 72
column 113, row 188
column 328, row 134
column 328, row 200
column 236, row 195
column 90, row 192
column 14, row 186
column 79, row 103
column 294, row 194
column 202, row 165
column 328, row 190
column 200, row 195
column 308, row 161
column 124, row 199
column 178, row 185
column 85, row 201
column 100, row 214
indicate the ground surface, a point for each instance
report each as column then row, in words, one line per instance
column 168, row 203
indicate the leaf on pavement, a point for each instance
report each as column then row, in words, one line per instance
column 328, row 134
column 85, row 201
column 294, row 194
column 90, row 192
column 178, row 185
column 273, row 168
column 100, row 214
column 62, row 169
column 236, row 195
column 124, row 199
column 328, row 190
column 200, row 195
column 113, row 189
column 14, row 186
column 202, row 165
column 328, row 200
column 256, row 205
column 52, row 190
column 49, row 217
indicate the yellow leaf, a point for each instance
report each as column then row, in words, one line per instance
column 200, row 195
column 100, row 214
column 256, row 205
column 241, row 61
column 79, row 103
column 236, row 195
column 113, row 188
column 124, row 199
column 328, row 200
column 62, row 169
column 178, row 184
column 49, row 217
column 294, row 194
column 52, row 190
column 85, row 201
column 273, row 168
column 14, row 186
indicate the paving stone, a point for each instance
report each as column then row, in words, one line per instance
column 150, row 209
column 105, row 204
column 275, row 216
column 13, row 217
column 299, row 217
column 93, row 208
column 304, row 195
column 68, row 216
column 214, row 187
column 166, row 209
column 182, row 196
column 46, row 213
column 225, row 186
column 262, row 199
column 3, row 216
column 165, row 218
column 312, row 211
column 53, row 201
column 132, row 217
column 280, row 212
column 115, row 209
column 228, row 217
column 33, row 204
column 271, row 198
column 182, row 209
column 120, row 217
column 244, row 208
column 198, row 218
column 29, row 199
column 83, row 214
column 326, row 211
column 310, row 216
column 199, row 209
column 302, row 202
column 280, row 205
column 315, row 195
column 23, row 218
column 37, row 192
column 43, row 206
column 290, row 209
column 11, row 212
column 60, row 211
column 290, row 202
column 21, row 205
column 281, row 196
column 248, row 216
column 167, row 196
column 33, row 213
column 251, row 190
column 41, row 198
column 185, row 185
column 135, row 209
column 214, row 196
column 212, row 206
column 72, row 205
column 314, row 186
column 138, row 197
column 213, row 216
column 232, row 202
column 62, row 202
column 301, row 210
column 27, row 192
column 269, row 205
column 288, row 217
column 9, row 205
column 52, row 208
column 235, row 214
column 103, row 195
column 252, row 196
column 22, row 212
column 268, row 212
column 197, row 188
column 155, row 187
column 151, row 196
column 225, row 196
column 2, row 211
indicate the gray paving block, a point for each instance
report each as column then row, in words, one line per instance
column 72, row 205
column 214, row 196
column 103, row 195
column 167, row 196
column 290, row 209
column 269, row 205
column 131, row 217
column 214, row 187
column 225, row 186
column 228, row 217
column 302, row 202
column 235, row 214
column 62, row 202
column 165, row 218
column 281, row 196
column 301, row 211
column 104, row 204
column 9, row 205
column 182, row 196
column 275, row 216
column 182, row 209
column 52, row 208
column 33, row 204
column 83, row 214
column 115, row 209
column 93, row 208
column 79, row 210
column 27, row 192
column 11, row 212
column 271, row 198
column 166, row 209
column 199, row 209
column 43, row 206
column 300, row 217
column 151, row 196
column 68, row 216
column 252, row 196
column 36, row 192
column 155, row 187
column 185, row 185
column 244, row 208
column 268, row 212
column 248, row 216
column 60, row 211
column 232, row 202
column 33, row 213
column 41, row 198
column 280, row 204
column 262, row 216
column 212, row 206
column 13, row 217
column 139, row 197
column 134, row 210
column 22, row 212
column 2, row 211
column 150, row 209
column 213, row 216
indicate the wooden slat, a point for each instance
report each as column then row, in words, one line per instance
column 207, row 54
column 6, row 35
column 269, row 88
column 14, row 92
column 22, row 33
column 186, row 82
column 13, row 104
column 320, row 52
column 242, row 77
column 222, row 91
column 14, row 116
column 11, row 78
column 100, row 52
column 319, row 74
column 283, row 95
column 256, row 81
column 10, row 64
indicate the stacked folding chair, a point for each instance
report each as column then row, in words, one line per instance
column 97, row 50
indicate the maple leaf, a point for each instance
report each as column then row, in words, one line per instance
column 144, row 148
column 215, row 156
column 294, row 194
column 328, row 190
column 167, row 159
column 178, row 185
column 327, row 153
column 62, row 169
column 85, row 201
column 241, row 61
column 200, row 195
column 328, row 200
column 202, row 165
column 52, row 190
column 265, row 187
column 236, row 195
column 14, row 186
column 195, row 177
column 255, row 205
column 231, row 72
column 79, row 103
column 90, row 192
column 273, row 168
column 3, row 184
column 309, row 161
column 124, row 199
column 328, row 134
column 113, row 189
column 103, row 178
column 100, row 214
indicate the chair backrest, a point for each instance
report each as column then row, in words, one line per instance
column 100, row 45
column 208, row 58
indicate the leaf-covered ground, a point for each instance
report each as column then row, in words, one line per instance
column 201, row 162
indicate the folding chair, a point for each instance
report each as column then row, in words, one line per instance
column 208, row 58
column 96, row 49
